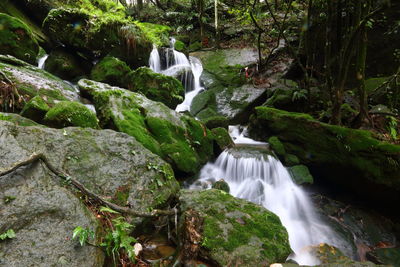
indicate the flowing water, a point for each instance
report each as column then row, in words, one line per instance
column 251, row 172
column 177, row 65
column 42, row 61
column 254, row 175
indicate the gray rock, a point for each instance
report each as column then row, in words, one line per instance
column 110, row 164
column 31, row 81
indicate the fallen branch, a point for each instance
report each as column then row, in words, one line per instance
column 35, row 157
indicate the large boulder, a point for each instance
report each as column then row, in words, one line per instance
column 181, row 140
column 228, row 93
column 100, row 34
column 110, row 70
column 17, row 119
column 229, row 231
column 111, row 164
column 43, row 215
column 31, row 81
column 157, row 87
column 16, row 39
column 351, row 159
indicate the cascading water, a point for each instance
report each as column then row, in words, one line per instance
column 258, row 177
column 154, row 61
column 42, row 61
column 177, row 65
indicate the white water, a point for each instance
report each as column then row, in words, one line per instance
column 262, row 179
column 42, row 61
column 177, row 64
column 154, row 60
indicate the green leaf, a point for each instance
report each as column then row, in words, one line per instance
column 8, row 235
column 77, row 232
column 107, row 209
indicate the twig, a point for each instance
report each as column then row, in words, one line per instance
column 35, row 157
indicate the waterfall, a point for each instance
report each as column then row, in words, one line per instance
column 42, row 60
column 176, row 64
column 258, row 177
column 154, row 60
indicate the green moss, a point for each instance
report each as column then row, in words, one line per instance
column 291, row 160
column 17, row 119
column 16, row 39
column 221, row 185
column 68, row 113
column 156, row 33
column 194, row 46
column 277, row 146
column 222, row 138
column 179, row 45
column 235, row 230
column 35, row 109
column 216, row 121
column 337, row 150
column 301, row 174
column 202, row 101
column 110, row 70
column 157, row 87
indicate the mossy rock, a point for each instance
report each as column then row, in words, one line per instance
column 65, row 64
column 96, row 32
column 277, row 146
column 110, row 70
column 301, row 174
column 68, row 113
column 349, row 158
column 35, row 109
column 216, row 122
column 31, row 81
column 157, row 87
column 17, row 119
column 181, row 140
column 291, row 160
column 221, row 185
column 16, row 39
column 222, row 138
column 234, row 231
column 156, row 33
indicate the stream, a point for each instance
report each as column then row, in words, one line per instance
column 250, row 170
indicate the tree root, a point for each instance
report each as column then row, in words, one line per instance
column 125, row 210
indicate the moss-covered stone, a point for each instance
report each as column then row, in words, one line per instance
column 388, row 256
column 221, row 185
column 68, row 113
column 156, row 33
column 157, row 87
column 235, row 231
column 17, row 119
column 350, row 158
column 301, row 174
column 180, row 140
column 216, row 121
column 35, row 109
column 277, row 146
column 31, row 81
column 16, row 39
column 99, row 31
column 222, row 138
column 110, row 70
column 291, row 160
column 65, row 64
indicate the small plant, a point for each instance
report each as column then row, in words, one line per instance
column 83, row 234
column 118, row 238
column 392, row 127
column 9, row 234
column 298, row 95
column 8, row 199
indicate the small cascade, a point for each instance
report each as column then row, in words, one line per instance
column 176, row 64
column 254, row 175
column 154, row 60
column 42, row 61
